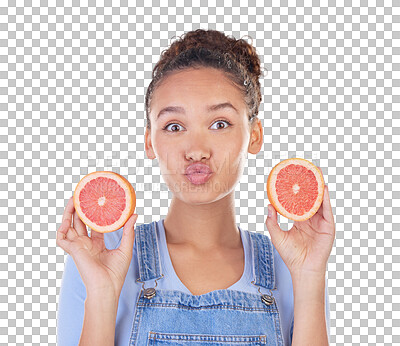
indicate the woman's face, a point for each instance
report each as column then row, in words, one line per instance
column 186, row 129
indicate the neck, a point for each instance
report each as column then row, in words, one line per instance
column 203, row 226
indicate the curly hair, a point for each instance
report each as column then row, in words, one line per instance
column 211, row 48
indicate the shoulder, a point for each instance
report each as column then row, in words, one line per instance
column 264, row 248
column 261, row 244
column 260, row 239
column 263, row 239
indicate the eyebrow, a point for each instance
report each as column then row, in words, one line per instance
column 213, row 108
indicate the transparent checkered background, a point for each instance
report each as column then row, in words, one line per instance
column 73, row 81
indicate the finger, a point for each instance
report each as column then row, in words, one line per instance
column 326, row 206
column 62, row 231
column 274, row 230
column 128, row 236
column 320, row 210
column 79, row 226
column 65, row 232
column 69, row 209
column 325, row 209
column 63, row 242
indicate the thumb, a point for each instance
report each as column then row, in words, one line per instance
column 272, row 225
column 128, row 236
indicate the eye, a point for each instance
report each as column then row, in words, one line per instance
column 222, row 121
column 166, row 127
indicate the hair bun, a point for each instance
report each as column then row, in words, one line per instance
column 247, row 55
column 240, row 50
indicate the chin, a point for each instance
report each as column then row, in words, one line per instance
column 201, row 194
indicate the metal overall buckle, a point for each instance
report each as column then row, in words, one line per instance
column 265, row 298
column 151, row 291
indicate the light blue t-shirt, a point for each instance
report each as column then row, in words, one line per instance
column 73, row 292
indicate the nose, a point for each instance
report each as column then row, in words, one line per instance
column 197, row 149
column 196, row 155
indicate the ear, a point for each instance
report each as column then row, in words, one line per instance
column 148, row 145
column 256, row 136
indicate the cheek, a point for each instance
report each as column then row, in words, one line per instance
column 232, row 159
column 169, row 156
column 169, row 161
column 162, row 146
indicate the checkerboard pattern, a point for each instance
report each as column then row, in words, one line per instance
column 73, row 80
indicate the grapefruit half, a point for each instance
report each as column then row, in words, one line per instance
column 295, row 187
column 104, row 201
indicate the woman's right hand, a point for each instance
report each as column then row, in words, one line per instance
column 102, row 271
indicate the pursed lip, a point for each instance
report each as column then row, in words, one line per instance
column 197, row 168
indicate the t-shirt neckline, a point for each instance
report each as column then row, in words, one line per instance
column 169, row 268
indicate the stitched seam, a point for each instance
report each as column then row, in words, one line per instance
column 153, row 235
column 276, row 329
column 271, row 255
column 139, row 250
column 136, row 321
column 255, row 256
column 158, row 268
column 195, row 337
column 212, row 307
column 145, row 253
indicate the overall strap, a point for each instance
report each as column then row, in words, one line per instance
column 148, row 251
column 263, row 260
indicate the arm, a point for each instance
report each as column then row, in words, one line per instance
column 99, row 319
column 101, row 271
column 70, row 305
column 96, row 312
column 305, row 249
column 309, row 309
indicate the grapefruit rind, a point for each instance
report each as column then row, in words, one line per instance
column 130, row 200
column 273, row 197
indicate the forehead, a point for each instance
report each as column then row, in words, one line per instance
column 200, row 72
column 196, row 85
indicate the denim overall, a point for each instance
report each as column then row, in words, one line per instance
column 220, row 317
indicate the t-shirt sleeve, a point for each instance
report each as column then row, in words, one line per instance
column 327, row 310
column 71, row 303
column 327, row 316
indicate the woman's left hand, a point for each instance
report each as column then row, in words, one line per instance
column 307, row 245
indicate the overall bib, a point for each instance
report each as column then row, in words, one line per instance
column 221, row 317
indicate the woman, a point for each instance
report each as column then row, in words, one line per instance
column 195, row 277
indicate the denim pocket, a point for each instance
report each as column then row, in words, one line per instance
column 155, row 338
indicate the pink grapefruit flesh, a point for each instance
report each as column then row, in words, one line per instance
column 104, row 201
column 295, row 187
